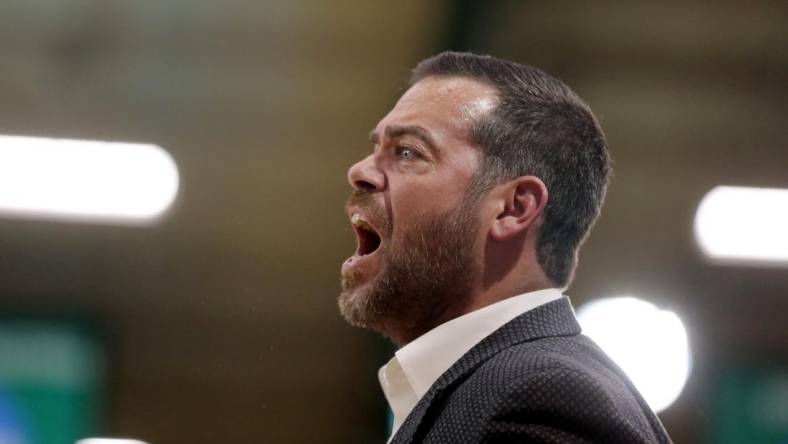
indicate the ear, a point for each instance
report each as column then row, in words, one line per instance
column 519, row 204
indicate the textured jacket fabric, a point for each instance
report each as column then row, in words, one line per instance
column 534, row 380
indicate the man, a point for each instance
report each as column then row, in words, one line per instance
column 483, row 182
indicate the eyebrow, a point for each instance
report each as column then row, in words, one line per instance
column 395, row 131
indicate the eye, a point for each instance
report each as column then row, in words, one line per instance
column 406, row 153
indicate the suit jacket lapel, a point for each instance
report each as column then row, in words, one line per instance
column 556, row 318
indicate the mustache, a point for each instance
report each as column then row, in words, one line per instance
column 375, row 213
column 362, row 199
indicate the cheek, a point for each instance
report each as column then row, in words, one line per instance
column 408, row 205
column 413, row 206
column 414, row 198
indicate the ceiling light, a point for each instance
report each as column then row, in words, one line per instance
column 82, row 180
column 743, row 224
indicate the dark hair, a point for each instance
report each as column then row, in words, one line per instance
column 539, row 127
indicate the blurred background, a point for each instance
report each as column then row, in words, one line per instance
column 218, row 323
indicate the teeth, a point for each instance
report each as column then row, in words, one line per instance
column 358, row 221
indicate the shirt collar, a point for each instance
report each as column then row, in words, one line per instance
column 426, row 358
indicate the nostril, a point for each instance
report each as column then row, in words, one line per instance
column 364, row 185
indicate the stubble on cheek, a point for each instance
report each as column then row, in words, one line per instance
column 425, row 274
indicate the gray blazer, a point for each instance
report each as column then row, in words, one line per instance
column 534, row 380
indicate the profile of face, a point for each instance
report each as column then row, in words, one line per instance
column 418, row 228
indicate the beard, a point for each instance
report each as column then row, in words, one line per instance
column 427, row 274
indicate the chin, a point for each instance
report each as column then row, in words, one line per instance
column 356, row 303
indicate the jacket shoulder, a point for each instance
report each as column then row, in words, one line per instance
column 561, row 389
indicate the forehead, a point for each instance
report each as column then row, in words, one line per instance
column 444, row 106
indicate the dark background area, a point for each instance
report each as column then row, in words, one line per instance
column 220, row 322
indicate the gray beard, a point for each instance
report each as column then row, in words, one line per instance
column 427, row 278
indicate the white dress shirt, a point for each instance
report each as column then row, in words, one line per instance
column 417, row 365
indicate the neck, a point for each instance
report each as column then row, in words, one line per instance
column 508, row 269
column 503, row 290
column 402, row 332
column 505, row 269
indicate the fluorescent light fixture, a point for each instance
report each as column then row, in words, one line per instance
column 649, row 344
column 743, row 224
column 81, row 180
column 109, row 441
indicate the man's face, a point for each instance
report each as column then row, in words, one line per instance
column 418, row 233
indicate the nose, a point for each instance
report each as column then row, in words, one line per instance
column 364, row 175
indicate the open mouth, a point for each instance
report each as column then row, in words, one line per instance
column 368, row 238
column 364, row 263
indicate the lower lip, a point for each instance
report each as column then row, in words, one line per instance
column 365, row 266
